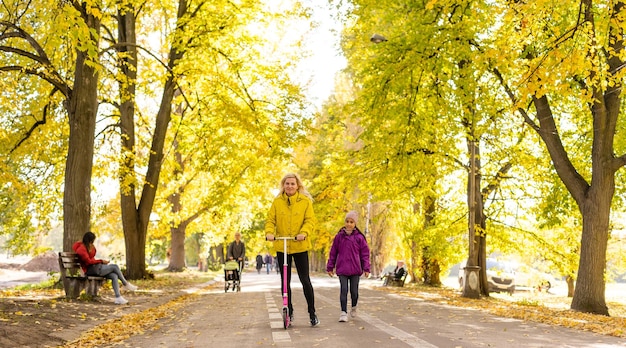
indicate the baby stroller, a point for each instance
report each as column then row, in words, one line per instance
column 232, row 276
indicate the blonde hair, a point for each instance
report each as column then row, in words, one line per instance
column 301, row 187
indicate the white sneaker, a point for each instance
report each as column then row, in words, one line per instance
column 343, row 317
column 120, row 300
column 130, row 287
column 353, row 312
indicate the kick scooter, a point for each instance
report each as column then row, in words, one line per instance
column 286, row 317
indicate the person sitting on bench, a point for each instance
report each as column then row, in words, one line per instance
column 397, row 273
column 96, row 267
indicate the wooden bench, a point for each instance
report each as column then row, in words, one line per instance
column 390, row 280
column 74, row 279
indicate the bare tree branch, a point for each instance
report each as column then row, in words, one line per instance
column 35, row 125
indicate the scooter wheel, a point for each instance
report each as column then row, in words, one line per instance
column 285, row 318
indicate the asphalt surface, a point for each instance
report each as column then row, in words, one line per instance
column 251, row 318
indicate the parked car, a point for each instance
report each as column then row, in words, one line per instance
column 529, row 277
column 500, row 276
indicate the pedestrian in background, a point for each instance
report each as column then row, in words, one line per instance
column 291, row 215
column 269, row 262
column 349, row 258
column 237, row 251
column 259, row 263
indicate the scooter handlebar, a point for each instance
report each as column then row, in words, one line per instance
column 284, row 238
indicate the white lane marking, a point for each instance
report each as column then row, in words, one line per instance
column 404, row 336
column 277, row 324
column 280, row 337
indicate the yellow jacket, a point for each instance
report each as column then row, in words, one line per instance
column 288, row 219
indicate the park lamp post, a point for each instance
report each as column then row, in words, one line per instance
column 367, row 230
column 471, row 285
column 377, row 38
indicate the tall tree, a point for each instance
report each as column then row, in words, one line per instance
column 136, row 211
column 77, row 24
column 572, row 52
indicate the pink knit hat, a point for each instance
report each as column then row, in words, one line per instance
column 352, row 215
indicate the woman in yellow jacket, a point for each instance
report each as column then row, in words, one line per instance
column 291, row 215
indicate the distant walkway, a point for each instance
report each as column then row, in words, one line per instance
column 10, row 278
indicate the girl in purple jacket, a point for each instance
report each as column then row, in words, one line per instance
column 350, row 257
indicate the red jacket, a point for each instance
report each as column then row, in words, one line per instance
column 86, row 257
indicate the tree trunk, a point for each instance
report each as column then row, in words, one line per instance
column 590, row 285
column 415, row 261
column 377, row 237
column 135, row 236
column 177, row 232
column 416, row 256
column 135, row 217
column 82, row 109
column 431, row 270
column 216, row 254
column 594, row 200
column 570, row 286
column 317, row 262
column 177, row 261
column 132, row 224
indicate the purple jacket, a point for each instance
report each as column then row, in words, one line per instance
column 349, row 254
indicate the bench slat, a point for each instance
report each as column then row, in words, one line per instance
column 74, row 279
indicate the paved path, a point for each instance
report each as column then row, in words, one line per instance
column 251, row 318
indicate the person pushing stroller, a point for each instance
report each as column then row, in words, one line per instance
column 237, row 251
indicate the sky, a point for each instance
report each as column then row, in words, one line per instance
column 327, row 59
column 316, row 39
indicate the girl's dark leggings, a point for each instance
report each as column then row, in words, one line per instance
column 353, row 281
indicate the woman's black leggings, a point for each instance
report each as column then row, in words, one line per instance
column 302, row 266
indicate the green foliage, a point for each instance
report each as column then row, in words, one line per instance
column 51, row 282
column 156, row 250
column 528, row 302
column 37, row 67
